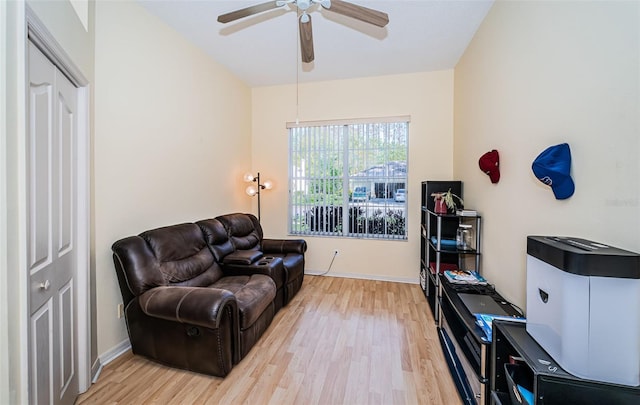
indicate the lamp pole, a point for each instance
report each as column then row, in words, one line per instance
column 260, row 186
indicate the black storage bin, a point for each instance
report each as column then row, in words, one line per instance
column 519, row 377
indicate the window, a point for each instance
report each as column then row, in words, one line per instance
column 349, row 179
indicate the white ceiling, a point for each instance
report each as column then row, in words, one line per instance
column 422, row 35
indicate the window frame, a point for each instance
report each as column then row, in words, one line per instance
column 386, row 220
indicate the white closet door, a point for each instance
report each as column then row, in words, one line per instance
column 51, row 240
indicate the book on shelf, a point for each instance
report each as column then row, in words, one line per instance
column 444, row 243
column 443, row 267
column 485, row 321
column 464, row 277
column 466, row 213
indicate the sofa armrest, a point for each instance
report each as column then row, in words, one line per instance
column 242, row 257
column 284, row 246
column 194, row 305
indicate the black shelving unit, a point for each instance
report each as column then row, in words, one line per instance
column 463, row 343
column 550, row 384
column 432, row 257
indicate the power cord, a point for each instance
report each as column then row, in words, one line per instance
column 335, row 253
column 517, row 308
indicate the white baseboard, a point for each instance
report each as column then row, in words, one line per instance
column 365, row 277
column 107, row 357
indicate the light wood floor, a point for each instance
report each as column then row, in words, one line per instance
column 339, row 341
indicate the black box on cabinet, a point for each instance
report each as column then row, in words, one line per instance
column 551, row 384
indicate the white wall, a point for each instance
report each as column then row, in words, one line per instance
column 172, row 140
column 426, row 97
column 535, row 75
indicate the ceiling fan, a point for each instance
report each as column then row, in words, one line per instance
column 345, row 8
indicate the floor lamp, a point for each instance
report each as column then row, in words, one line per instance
column 253, row 190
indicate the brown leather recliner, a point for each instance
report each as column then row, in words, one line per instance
column 181, row 308
column 236, row 262
column 246, row 236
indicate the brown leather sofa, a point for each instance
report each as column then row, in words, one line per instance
column 198, row 296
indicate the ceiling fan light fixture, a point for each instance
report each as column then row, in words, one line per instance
column 304, row 18
column 303, row 4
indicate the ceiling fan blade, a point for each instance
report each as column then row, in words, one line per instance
column 306, row 40
column 245, row 12
column 365, row 14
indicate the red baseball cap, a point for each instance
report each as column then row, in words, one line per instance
column 490, row 164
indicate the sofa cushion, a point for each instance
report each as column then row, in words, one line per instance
column 216, row 236
column 182, row 255
column 136, row 267
column 254, row 293
column 244, row 230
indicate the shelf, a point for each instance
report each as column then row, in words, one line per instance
column 453, row 250
column 450, row 215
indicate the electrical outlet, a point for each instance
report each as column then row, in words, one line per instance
column 120, row 310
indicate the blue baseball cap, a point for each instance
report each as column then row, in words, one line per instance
column 552, row 167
